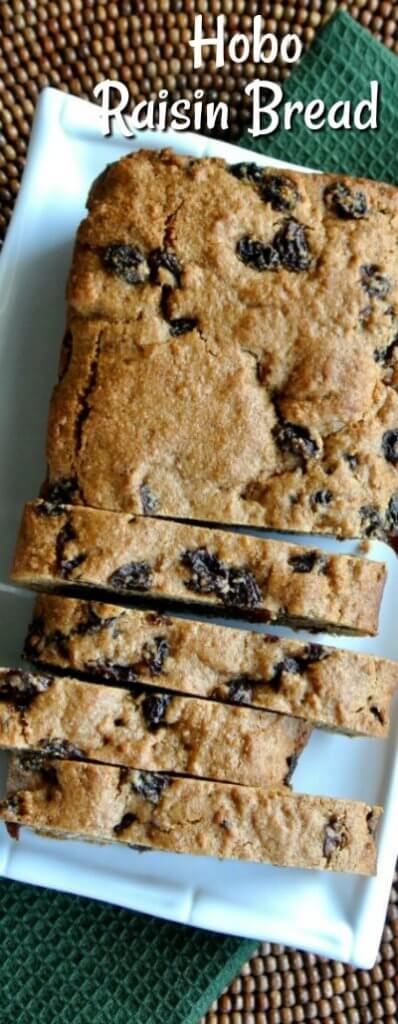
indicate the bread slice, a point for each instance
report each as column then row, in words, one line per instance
column 154, row 731
column 324, row 685
column 62, row 546
column 106, row 804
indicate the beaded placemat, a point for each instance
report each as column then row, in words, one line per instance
column 283, row 986
column 72, row 44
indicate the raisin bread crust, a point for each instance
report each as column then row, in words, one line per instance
column 231, row 352
column 108, row 804
column 264, row 579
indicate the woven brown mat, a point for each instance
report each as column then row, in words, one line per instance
column 282, row 986
column 72, row 44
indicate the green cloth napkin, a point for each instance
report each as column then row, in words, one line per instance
column 70, row 960
column 342, row 62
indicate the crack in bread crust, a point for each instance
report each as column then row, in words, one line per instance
column 84, row 397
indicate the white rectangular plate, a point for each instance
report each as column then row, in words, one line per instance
column 338, row 916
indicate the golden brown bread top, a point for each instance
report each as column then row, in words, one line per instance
column 211, row 389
